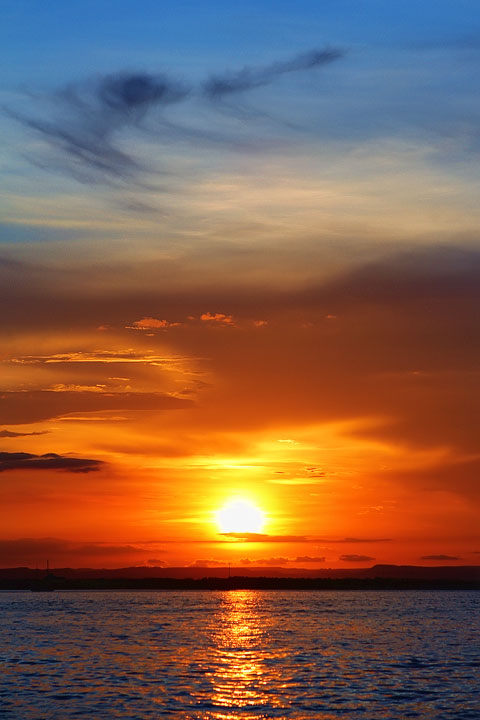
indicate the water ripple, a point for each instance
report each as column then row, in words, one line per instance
column 242, row 654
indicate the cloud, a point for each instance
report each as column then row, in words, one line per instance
column 96, row 356
column 280, row 560
column 439, row 557
column 260, row 537
column 218, row 86
column 300, row 476
column 266, row 561
column 86, row 118
column 10, row 434
column 413, row 276
column 273, row 561
column 309, row 559
column 86, row 123
column 356, row 558
column 35, row 551
column 48, row 461
column 131, row 95
column 150, row 323
column 208, row 563
column 220, row 318
column 18, row 408
column 349, row 540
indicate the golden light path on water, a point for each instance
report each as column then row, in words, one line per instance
column 246, row 674
column 240, row 678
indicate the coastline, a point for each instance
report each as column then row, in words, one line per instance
column 241, row 583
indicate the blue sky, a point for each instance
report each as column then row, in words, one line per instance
column 54, row 41
column 388, row 129
column 408, row 68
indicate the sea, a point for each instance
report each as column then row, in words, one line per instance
column 240, row 654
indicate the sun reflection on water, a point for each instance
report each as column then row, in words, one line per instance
column 240, row 639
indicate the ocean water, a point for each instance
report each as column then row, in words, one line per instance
column 240, row 654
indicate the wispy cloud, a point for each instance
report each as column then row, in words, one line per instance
column 354, row 540
column 248, row 78
column 48, row 461
column 30, row 551
column 11, row 434
column 217, row 317
column 356, row 558
column 208, row 562
column 440, row 557
column 279, row 560
column 34, row 406
column 100, row 356
column 86, row 123
column 151, row 323
column 261, row 537
column 309, row 559
column 86, row 118
column 283, row 560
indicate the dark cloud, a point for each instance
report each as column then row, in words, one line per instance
column 309, row 559
column 208, row 563
column 48, row 461
column 356, row 558
column 217, row 86
column 275, row 561
column 85, row 119
column 35, row 551
column 131, row 95
column 412, row 276
column 353, row 540
column 260, row 537
column 439, row 557
column 10, row 434
column 17, row 408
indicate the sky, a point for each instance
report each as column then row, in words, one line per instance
column 240, row 283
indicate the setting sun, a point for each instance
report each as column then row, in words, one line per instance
column 240, row 516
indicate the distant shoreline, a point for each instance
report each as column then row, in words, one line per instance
column 377, row 577
column 54, row 583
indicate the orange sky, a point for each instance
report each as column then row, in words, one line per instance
column 263, row 284
column 342, row 410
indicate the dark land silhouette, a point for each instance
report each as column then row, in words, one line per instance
column 378, row 577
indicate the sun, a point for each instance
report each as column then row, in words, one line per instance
column 240, row 516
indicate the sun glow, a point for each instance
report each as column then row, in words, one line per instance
column 240, row 516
